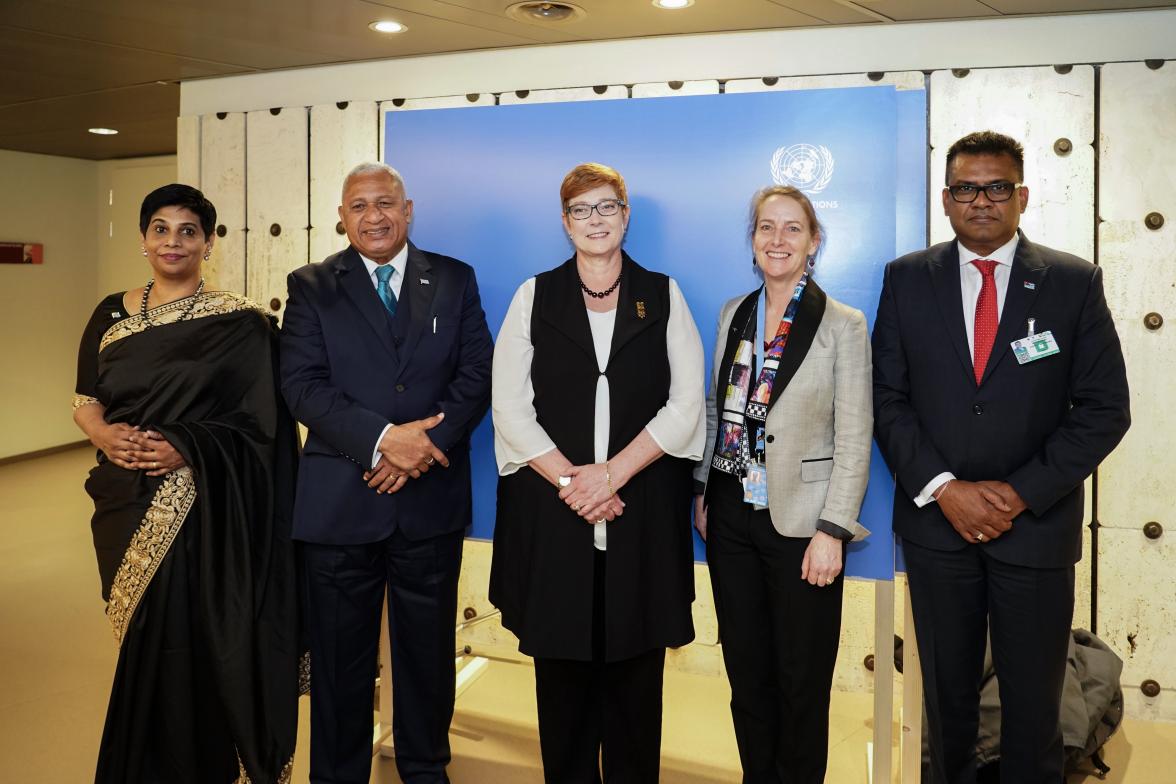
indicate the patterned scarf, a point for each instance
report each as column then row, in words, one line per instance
column 741, row 409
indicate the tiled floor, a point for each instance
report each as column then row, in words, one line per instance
column 57, row 656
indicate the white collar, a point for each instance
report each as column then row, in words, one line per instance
column 398, row 262
column 1002, row 255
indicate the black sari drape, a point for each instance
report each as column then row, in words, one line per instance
column 198, row 566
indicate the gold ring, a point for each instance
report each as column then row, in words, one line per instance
column 979, row 537
column 828, row 582
column 430, row 461
column 575, row 507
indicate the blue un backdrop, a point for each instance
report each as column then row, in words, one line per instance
column 485, row 182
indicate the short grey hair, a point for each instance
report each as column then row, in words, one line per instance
column 372, row 167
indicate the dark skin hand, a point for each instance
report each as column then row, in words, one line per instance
column 405, row 452
column 408, row 449
column 116, row 443
column 153, row 453
column 385, row 478
column 978, row 508
column 1013, row 503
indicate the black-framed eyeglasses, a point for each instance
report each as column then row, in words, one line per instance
column 604, row 209
column 995, row 191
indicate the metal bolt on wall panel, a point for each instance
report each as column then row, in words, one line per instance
column 277, row 167
column 1052, row 115
column 222, row 179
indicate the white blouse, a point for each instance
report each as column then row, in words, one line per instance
column 678, row 428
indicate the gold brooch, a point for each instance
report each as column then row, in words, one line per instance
column 640, row 309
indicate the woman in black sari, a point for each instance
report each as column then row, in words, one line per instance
column 192, row 496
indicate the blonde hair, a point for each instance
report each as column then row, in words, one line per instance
column 763, row 194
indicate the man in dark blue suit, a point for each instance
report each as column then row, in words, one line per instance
column 991, row 435
column 386, row 359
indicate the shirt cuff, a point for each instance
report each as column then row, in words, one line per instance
column 834, row 530
column 926, row 497
column 690, row 450
column 376, row 451
column 509, row 466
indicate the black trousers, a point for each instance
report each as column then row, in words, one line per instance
column 597, row 714
column 958, row 597
column 346, row 586
column 780, row 637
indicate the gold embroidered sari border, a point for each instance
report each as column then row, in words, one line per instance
column 84, row 400
column 284, row 777
column 210, row 303
column 148, row 547
column 304, row 674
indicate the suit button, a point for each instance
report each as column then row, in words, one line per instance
column 977, row 409
column 771, row 439
column 400, row 387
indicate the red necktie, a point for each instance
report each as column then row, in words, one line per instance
column 984, row 334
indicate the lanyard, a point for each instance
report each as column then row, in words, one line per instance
column 760, row 317
column 755, row 441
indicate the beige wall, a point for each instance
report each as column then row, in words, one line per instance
column 121, row 188
column 86, row 215
column 43, row 308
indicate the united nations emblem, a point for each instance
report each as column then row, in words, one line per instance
column 803, row 166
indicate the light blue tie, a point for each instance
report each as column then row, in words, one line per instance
column 383, row 273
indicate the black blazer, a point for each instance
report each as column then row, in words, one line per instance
column 1043, row 427
column 348, row 370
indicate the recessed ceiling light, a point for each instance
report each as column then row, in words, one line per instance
column 387, row 26
column 103, row 131
column 545, row 12
column 672, row 5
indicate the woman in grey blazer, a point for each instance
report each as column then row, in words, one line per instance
column 779, row 490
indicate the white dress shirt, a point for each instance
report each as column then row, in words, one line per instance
column 396, row 284
column 678, row 428
column 970, row 282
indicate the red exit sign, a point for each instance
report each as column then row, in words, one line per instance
column 21, row 253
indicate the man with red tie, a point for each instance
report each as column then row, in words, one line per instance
column 999, row 386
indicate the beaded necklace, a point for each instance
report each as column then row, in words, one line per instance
column 600, row 294
column 187, row 311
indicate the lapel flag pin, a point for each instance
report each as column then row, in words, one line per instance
column 424, row 281
column 1030, row 285
column 640, row 309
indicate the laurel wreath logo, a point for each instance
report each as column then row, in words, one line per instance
column 806, row 167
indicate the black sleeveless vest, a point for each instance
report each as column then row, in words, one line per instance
column 541, row 576
column 564, row 370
